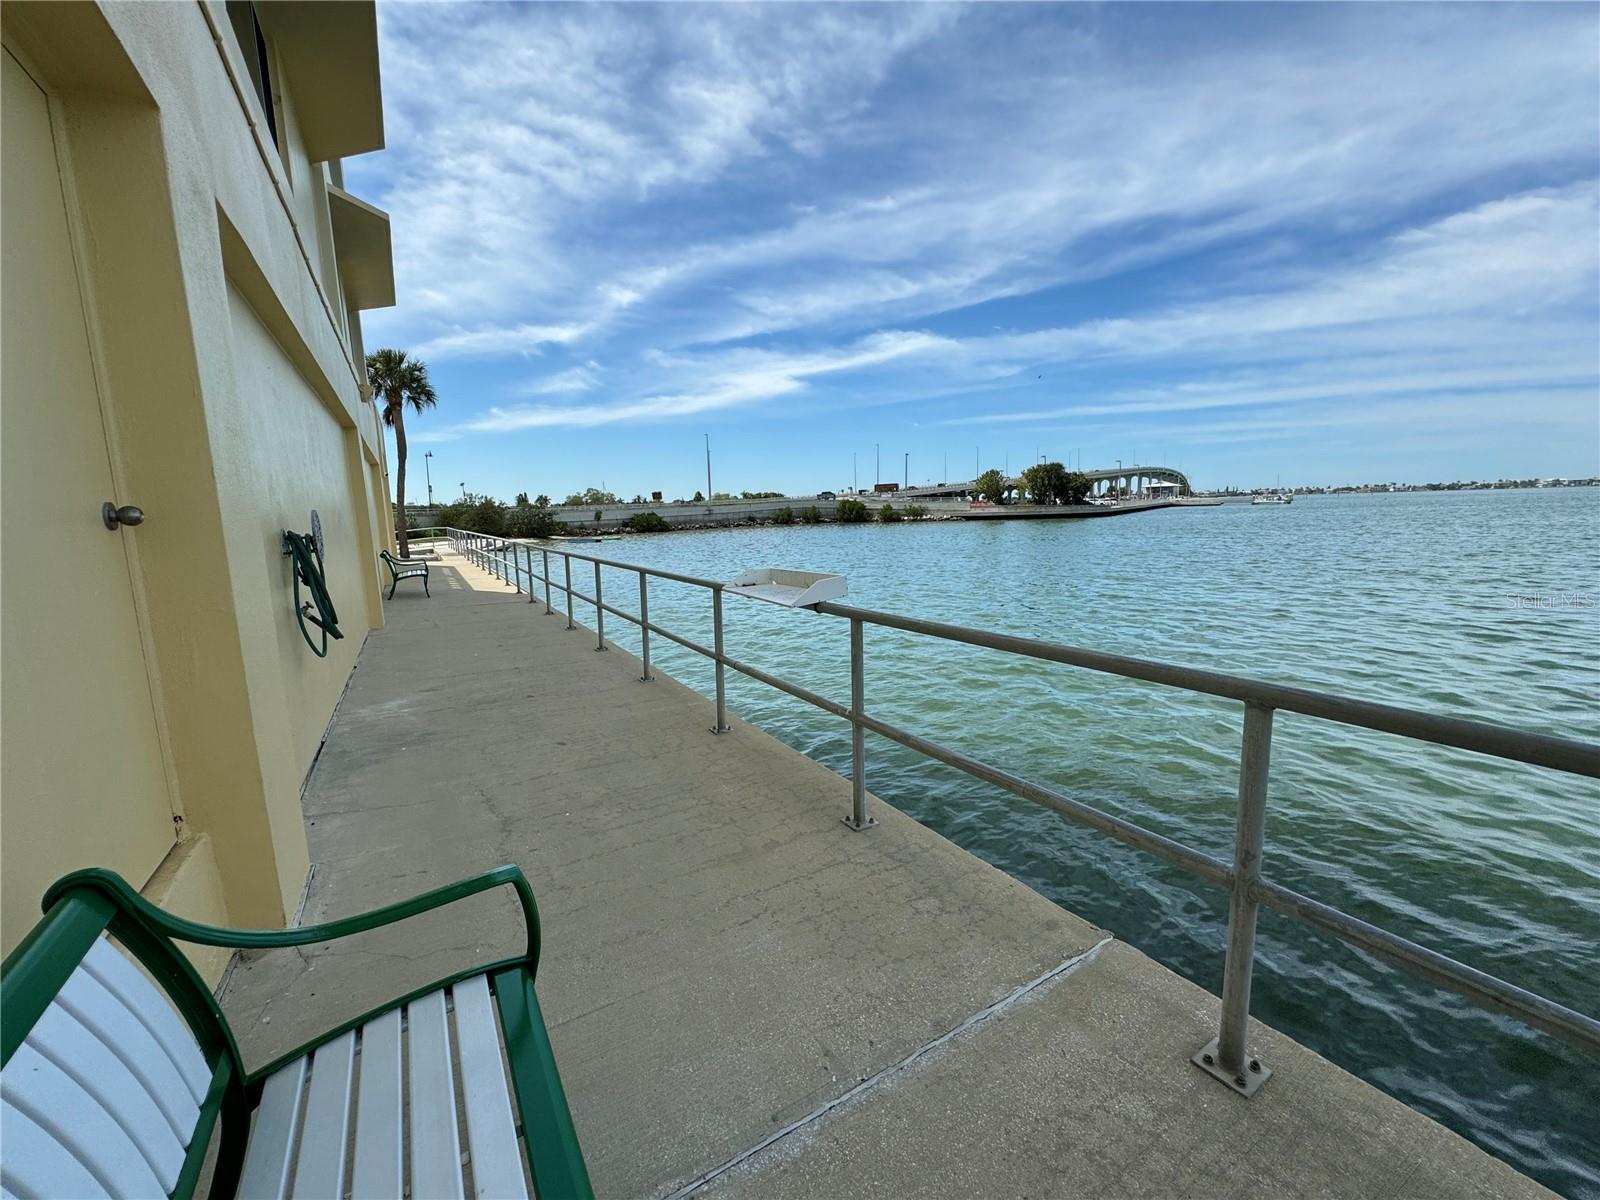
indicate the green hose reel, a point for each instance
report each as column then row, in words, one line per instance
column 305, row 549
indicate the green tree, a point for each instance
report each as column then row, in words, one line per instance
column 522, row 497
column 1076, row 488
column 851, row 512
column 400, row 382
column 475, row 514
column 915, row 512
column 992, row 486
column 809, row 515
column 783, row 516
column 699, row 498
column 648, row 522
column 1052, row 483
column 887, row 514
column 531, row 520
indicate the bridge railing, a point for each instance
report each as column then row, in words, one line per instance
column 1226, row 1057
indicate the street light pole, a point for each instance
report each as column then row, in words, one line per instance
column 427, row 467
column 907, row 484
column 709, row 492
column 877, row 464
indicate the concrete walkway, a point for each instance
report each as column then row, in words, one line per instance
column 726, row 964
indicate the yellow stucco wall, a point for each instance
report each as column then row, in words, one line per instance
column 229, row 374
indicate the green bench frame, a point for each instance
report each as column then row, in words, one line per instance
column 83, row 905
column 400, row 568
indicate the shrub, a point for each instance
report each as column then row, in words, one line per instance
column 783, row 516
column 887, row 514
column 915, row 511
column 809, row 514
column 475, row 514
column 851, row 512
column 531, row 521
column 648, row 522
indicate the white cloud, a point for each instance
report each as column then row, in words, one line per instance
column 575, row 379
column 737, row 379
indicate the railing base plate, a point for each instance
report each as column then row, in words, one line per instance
column 1247, row 1083
column 850, row 823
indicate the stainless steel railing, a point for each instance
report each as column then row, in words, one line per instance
column 1227, row 1057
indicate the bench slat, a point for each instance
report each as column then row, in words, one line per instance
column 61, row 1107
column 266, row 1164
column 319, row 1170
column 120, row 1031
column 59, row 1037
column 377, row 1172
column 142, row 998
column 35, row 1164
column 491, row 1131
column 435, row 1146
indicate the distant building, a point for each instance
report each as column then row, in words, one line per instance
column 184, row 275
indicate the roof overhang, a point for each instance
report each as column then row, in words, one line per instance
column 329, row 50
column 362, row 245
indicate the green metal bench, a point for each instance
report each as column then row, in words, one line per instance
column 113, row 1085
column 404, row 568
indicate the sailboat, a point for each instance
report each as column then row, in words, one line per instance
column 1275, row 497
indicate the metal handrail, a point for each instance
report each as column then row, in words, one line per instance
column 1226, row 1057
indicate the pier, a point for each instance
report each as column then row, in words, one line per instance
column 745, row 997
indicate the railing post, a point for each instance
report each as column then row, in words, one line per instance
column 858, row 819
column 527, row 552
column 716, row 629
column 644, row 625
column 1227, row 1057
column 546, row 552
column 567, row 563
column 599, row 613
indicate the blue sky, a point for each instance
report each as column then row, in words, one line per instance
column 1331, row 243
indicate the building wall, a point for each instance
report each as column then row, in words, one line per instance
column 230, row 378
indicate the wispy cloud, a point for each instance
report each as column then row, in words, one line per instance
column 583, row 378
column 739, row 379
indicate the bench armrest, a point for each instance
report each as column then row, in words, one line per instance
column 124, row 897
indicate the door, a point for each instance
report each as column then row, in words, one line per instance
column 82, row 779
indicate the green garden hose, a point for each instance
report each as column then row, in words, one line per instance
column 319, row 611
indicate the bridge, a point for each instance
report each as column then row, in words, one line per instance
column 1121, row 482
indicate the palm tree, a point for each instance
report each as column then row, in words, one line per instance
column 399, row 381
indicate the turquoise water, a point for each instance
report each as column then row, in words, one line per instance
column 1473, row 604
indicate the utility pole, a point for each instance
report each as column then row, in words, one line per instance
column 976, row 458
column 427, row 468
column 709, row 493
column 907, row 482
column 855, row 482
column 945, row 474
column 877, row 468
column 463, row 489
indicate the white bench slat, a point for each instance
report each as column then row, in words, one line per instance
column 266, row 1163
column 61, row 1107
column 60, row 1038
column 491, row 1130
column 35, row 1164
column 377, row 1174
column 435, row 1146
column 105, row 1016
column 320, row 1168
column 146, row 1001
